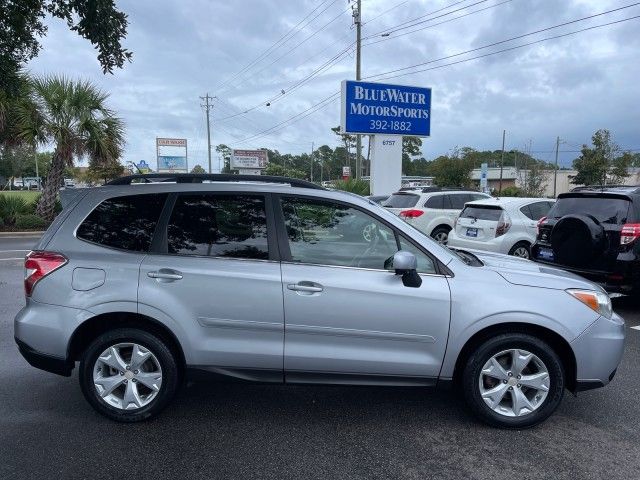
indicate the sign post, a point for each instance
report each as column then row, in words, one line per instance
column 484, row 170
column 249, row 162
column 386, row 112
column 172, row 155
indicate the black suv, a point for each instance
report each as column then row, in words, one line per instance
column 594, row 231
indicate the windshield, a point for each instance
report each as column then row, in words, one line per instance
column 482, row 212
column 604, row 209
column 402, row 200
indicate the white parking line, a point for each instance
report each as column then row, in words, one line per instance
column 637, row 327
column 7, row 251
column 7, row 259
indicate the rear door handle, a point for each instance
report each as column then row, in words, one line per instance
column 165, row 274
column 306, row 287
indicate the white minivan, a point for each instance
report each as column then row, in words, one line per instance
column 502, row 225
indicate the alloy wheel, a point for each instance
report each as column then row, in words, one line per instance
column 522, row 252
column 514, row 383
column 127, row 376
column 441, row 237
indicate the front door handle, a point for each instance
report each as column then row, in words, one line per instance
column 165, row 274
column 305, row 287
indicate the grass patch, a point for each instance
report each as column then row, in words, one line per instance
column 28, row 196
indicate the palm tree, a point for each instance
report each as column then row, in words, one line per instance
column 74, row 117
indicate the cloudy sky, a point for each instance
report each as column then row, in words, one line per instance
column 235, row 50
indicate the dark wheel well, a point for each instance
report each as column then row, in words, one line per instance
column 441, row 227
column 559, row 345
column 94, row 327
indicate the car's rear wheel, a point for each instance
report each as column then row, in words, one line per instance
column 128, row 375
column 513, row 380
column 441, row 234
column 521, row 249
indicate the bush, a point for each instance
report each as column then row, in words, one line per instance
column 33, row 205
column 11, row 207
column 510, row 192
column 30, row 222
column 360, row 187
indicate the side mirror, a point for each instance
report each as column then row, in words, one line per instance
column 405, row 264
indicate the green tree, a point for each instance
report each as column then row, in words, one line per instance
column 198, row 169
column 23, row 24
column 410, row 149
column 452, row 170
column 225, row 153
column 73, row 116
column 600, row 163
column 281, row 171
column 102, row 172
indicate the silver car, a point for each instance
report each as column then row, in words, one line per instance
column 278, row 280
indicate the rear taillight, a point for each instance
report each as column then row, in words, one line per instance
column 540, row 223
column 38, row 265
column 630, row 233
column 504, row 224
column 413, row 213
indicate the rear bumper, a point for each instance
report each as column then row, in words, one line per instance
column 598, row 352
column 495, row 245
column 48, row 363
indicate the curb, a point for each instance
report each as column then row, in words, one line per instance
column 34, row 233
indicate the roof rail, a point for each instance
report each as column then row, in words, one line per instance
column 212, row 177
column 603, row 187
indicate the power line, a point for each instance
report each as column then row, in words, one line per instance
column 276, row 44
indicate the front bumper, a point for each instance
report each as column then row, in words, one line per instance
column 598, row 352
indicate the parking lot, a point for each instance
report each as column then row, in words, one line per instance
column 47, row 430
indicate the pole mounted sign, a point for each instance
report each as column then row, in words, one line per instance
column 377, row 108
column 249, row 162
column 172, row 154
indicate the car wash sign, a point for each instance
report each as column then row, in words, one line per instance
column 378, row 108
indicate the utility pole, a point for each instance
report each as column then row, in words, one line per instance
column 357, row 19
column 555, row 171
column 312, row 145
column 208, row 106
column 504, row 133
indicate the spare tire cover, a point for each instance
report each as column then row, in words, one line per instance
column 576, row 240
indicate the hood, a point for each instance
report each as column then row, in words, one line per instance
column 526, row 272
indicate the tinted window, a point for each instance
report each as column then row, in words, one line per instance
column 537, row 210
column 458, row 200
column 124, row 222
column 326, row 233
column 482, row 212
column 436, row 202
column 401, row 200
column 604, row 209
column 218, row 226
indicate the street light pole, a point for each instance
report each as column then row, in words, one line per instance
column 504, row 133
column 207, row 106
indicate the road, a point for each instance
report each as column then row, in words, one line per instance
column 251, row 431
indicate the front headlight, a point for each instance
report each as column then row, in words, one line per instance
column 597, row 301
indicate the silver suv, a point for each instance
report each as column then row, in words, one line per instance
column 273, row 280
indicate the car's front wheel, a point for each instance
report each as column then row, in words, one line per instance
column 128, row 375
column 513, row 380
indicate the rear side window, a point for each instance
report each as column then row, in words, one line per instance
column 482, row 212
column 401, row 200
column 604, row 209
column 435, row 202
column 458, row 200
column 537, row 210
column 213, row 225
column 126, row 222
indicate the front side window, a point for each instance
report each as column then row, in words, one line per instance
column 212, row 225
column 326, row 233
column 125, row 222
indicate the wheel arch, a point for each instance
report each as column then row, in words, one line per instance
column 554, row 339
column 441, row 225
column 93, row 327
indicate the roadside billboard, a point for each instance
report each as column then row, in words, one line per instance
column 378, row 108
column 249, row 159
column 172, row 155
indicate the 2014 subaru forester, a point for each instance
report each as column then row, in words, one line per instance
column 277, row 280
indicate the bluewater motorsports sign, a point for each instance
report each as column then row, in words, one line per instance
column 377, row 108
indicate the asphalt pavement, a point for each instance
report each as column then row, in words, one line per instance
column 242, row 431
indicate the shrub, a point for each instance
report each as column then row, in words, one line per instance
column 360, row 187
column 11, row 207
column 32, row 206
column 30, row 222
column 510, row 192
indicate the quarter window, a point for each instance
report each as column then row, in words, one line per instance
column 125, row 222
column 219, row 226
column 537, row 210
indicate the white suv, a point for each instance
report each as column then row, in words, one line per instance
column 431, row 210
column 501, row 225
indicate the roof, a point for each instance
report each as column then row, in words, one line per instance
column 509, row 201
column 628, row 189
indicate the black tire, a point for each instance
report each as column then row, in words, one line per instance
column 518, row 245
column 166, row 359
column 439, row 232
column 491, row 347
